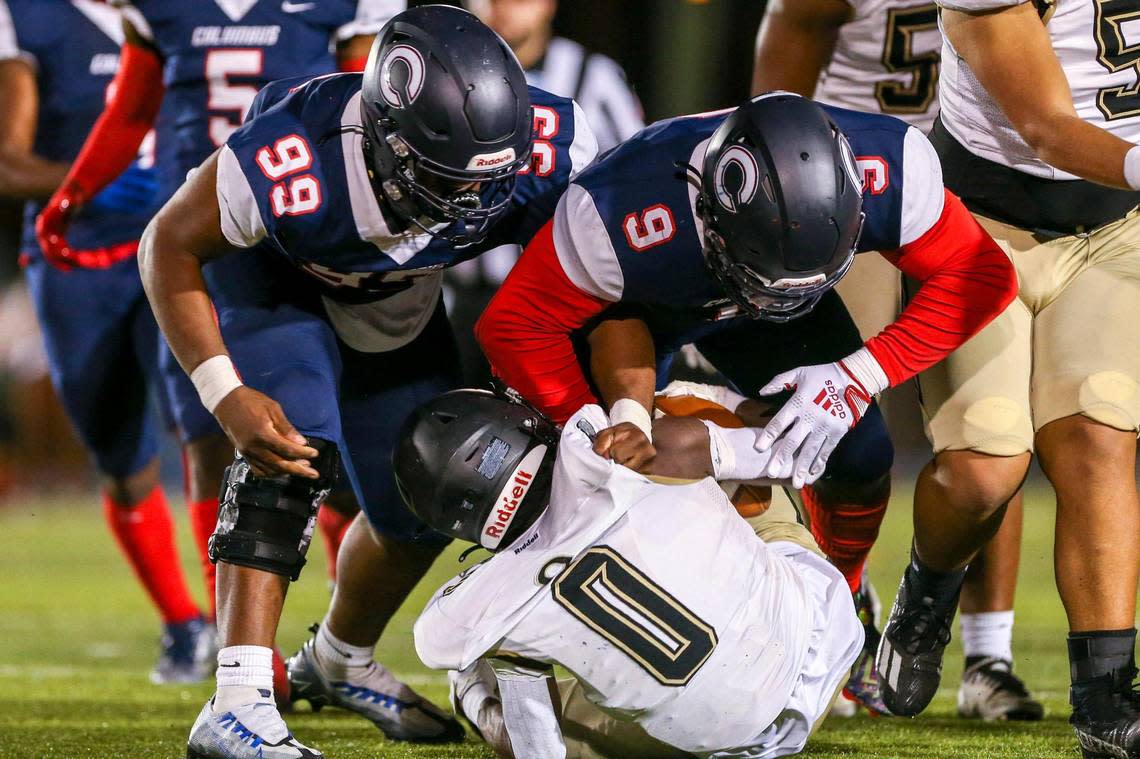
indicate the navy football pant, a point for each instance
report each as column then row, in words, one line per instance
column 283, row 345
column 102, row 347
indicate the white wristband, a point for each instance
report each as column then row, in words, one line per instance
column 629, row 410
column 214, row 379
column 863, row 367
column 1132, row 167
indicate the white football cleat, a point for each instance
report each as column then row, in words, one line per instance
column 399, row 712
column 251, row 731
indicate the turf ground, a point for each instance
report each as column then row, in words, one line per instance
column 77, row 638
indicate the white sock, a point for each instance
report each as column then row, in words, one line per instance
column 473, row 700
column 988, row 633
column 339, row 658
column 245, row 675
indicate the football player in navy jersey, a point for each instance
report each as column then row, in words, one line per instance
column 204, row 63
column 729, row 231
column 340, row 202
column 57, row 59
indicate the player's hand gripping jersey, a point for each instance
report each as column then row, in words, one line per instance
column 663, row 602
column 74, row 48
column 294, row 180
column 627, row 231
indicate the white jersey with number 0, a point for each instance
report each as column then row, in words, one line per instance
column 886, row 61
column 1098, row 44
column 663, row 602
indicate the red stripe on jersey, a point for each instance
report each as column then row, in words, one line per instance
column 526, row 330
column 966, row 281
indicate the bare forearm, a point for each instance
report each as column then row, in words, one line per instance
column 1078, row 147
column 622, row 362
column 179, row 240
column 999, row 48
column 26, row 176
column 795, row 43
column 173, row 282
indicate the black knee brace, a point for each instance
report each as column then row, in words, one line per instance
column 267, row 522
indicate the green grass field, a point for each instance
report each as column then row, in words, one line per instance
column 78, row 639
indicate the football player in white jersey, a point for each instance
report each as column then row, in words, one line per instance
column 883, row 56
column 675, row 618
column 1052, row 172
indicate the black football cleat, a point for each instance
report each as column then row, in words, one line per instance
column 909, row 661
column 1107, row 721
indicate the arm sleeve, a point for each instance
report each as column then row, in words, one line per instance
column 113, row 144
column 967, row 280
column 528, row 711
column 526, row 330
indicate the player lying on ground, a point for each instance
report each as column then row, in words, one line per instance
column 691, row 632
column 740, row 257
column 324, row 224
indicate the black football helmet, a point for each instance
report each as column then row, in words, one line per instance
column 447, row 121
column 476, row 465
column 781, row 203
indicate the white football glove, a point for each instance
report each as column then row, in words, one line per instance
column 829, row 399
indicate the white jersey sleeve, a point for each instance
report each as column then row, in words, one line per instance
column 584, row 248
column 923, row 192
column 242, row 224
column 9, row 45
column 584, row 148
column 371, row 15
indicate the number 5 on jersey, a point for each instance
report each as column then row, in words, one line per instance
column 290, row 195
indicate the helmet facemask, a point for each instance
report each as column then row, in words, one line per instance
column 775, row 301
column 426, row 194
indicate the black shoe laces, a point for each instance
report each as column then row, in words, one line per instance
column 921, row 629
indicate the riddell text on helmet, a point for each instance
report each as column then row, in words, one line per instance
column 508, row 504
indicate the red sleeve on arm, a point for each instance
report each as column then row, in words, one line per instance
column 135, row 96
column 526, row 330
column 352, row 64
column 966, row 281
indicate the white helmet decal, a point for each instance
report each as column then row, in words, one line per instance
column 750, row 176
column 414, row 62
